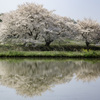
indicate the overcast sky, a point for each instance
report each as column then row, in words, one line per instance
column 75, row 9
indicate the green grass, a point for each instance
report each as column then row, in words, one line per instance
column 82, row 54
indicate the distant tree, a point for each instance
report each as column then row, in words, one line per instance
column 33, row 22
column 90, row 31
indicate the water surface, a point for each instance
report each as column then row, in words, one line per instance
column 32, row 79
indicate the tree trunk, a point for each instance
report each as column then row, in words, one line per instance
column 87, row 45
column 47, row 44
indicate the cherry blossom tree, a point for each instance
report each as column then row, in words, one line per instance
column 90, row 31
column 32, row 22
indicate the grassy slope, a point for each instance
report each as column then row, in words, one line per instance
column 83, row 54
column 68, row 51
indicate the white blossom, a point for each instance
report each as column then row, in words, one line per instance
column 30, row 21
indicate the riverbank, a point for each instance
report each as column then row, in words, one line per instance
column 51, row 54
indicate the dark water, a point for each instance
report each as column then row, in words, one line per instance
column 31, row 79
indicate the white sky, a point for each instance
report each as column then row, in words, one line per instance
column 76, row 9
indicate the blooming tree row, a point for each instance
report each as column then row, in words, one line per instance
column 33, row 23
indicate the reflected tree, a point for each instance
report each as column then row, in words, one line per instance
column 31, row 78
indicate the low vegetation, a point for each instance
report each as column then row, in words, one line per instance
column 84, row 54
column 53, row 47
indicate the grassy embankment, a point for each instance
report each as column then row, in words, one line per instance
column 69, row 54
column 67, row 51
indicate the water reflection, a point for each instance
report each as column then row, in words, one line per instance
column 30, row 77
